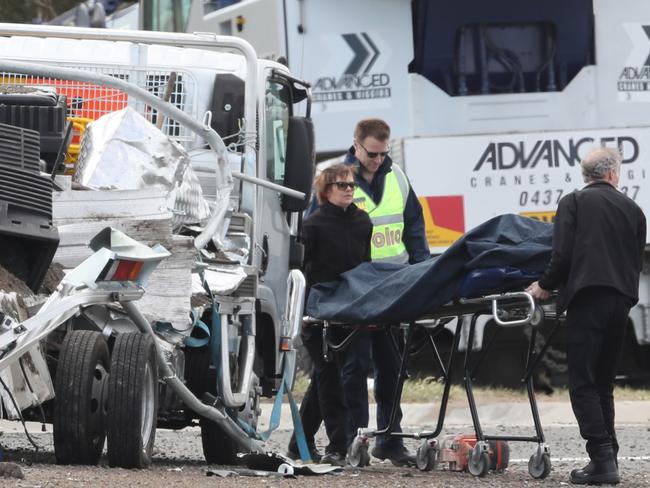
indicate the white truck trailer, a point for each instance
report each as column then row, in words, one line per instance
column 491, row 104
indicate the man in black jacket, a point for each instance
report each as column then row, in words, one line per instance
column 599, row 237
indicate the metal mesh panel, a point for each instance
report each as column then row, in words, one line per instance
column 90, row 101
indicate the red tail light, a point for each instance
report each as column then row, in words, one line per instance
column 123, row 270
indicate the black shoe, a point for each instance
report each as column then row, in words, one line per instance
column 399, row 456
column 333, row 458
column 601, row 469
column 588, row 470
column 292, row 453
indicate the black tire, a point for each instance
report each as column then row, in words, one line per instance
column 79, row 424
column 218, row 448
column 199, row 377
column 132, row 401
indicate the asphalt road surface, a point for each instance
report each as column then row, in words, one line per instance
column 178, row 459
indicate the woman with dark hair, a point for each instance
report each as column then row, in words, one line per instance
column 336, row 238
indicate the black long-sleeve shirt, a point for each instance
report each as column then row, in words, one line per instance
column 336, row 240
column 599, row 237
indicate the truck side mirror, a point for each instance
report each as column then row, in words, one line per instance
column 299, row 163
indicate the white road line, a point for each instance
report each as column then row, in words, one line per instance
column 581, row 459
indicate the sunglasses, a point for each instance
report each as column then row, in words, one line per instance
column 373, row 155
column 344, row 185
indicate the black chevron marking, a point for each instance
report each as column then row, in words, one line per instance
column 360, row 54
column 646, row 29
column 374, row 49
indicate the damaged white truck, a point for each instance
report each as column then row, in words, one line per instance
column 201, row 148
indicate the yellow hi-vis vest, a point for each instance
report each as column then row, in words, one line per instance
column 387, row 217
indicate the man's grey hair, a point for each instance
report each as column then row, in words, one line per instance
column 599, row 162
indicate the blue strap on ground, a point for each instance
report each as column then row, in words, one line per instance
column 299, row 432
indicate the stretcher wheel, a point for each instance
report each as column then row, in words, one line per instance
column 478, row 463
column 426, row 456
column 358, row 456
column 539, row 467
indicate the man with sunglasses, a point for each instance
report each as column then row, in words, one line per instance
column 398, row 235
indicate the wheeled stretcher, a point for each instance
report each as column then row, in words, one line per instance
column 480, row 274
column 509, row 309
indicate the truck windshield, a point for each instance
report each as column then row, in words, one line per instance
column 277, row 121
column 165, row 15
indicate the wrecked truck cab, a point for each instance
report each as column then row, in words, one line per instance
column 220, row 314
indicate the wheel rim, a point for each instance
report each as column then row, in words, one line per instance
column 424, row 456
column 540, row 467
column 354, row 459
column 97, row 402
column 479, row 464
column 148, row 399
column 357, row 452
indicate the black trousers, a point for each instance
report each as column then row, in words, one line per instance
column 596, row 320
column 372, row 351
column 324, row 399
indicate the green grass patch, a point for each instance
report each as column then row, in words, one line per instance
column 427, row 390
column 300, row 385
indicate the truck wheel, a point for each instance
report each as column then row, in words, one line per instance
column 80, row 406
column 218, row 448
column 132, row 401
column 199, row 377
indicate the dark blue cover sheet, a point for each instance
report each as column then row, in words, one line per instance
column 386, row 292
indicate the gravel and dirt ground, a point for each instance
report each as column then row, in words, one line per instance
column 178, row 461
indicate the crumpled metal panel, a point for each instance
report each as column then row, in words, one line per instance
column 221, row 279
column 123, row 151
column 29, row 381
column 236, row 246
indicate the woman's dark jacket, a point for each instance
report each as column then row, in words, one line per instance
column 336, row 240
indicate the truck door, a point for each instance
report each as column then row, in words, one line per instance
column 286, row 157
column 272, row 228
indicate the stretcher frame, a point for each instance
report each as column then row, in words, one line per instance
column 511, row 309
